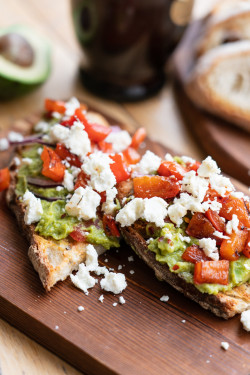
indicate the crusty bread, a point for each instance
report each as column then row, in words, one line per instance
column 220, row 82
column 228, row 21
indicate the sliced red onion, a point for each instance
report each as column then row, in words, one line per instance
column 38, row 181
column 36, row 138
column 49, row 199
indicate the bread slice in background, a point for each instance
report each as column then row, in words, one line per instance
column 229, row 21
column 220, row 82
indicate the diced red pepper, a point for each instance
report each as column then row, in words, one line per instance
column 131, row 156
column 109, row 225
column 235, row 206
column 155, row 186
column 212, row 194
column 64, row 153
column 68, row 123
column 212, row 272
column 119, row 168
column 194, row 254
column 216, row 220
column 231, row 248
column 103, row 196
column 200, row 227
column 55, row 106
column 81, row 116
column 105, row 147
column 78, row 235
column 4, row 179
column 246, row 250
column 175, row 267
column 52, row 165
column 81, row 181
column 96, row 132
column 171, row 168
column 138, row 138
column 193, row 166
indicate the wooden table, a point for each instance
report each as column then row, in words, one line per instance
column 159, row 115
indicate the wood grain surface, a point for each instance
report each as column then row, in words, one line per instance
column 227, row 143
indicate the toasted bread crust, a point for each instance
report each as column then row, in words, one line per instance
column 224, row 305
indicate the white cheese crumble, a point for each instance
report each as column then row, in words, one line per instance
column 39, row 150
column 4, row 144
column 97, row 166
column 120, row 140
column 122, row 300
column 221, row 184
column 71, row 106
column 168, row 157
column 208, row 168
column 59, row 188
column 187, row 159
column 101, row 298
column 42, row 126
column 224, row 345
column 245, row 320
column 15, row 137
column 148, row 164
column 119, row 267
column 131, row 272
column 27, row 161
column 176, row 212
column 109, row 206
column 220, row 235
column 115, row 304
column 83, row 203
column 195, row 185
column 82, row 279
column 16, row 161
column 153, row 210
column 232, row 225
column 34, row 210
column 68, row 181
column 114, row 282
column 56, row 327
column 131, row 258
column 209, row 247
column 164, row 298
column 183, row 321
column 80, row 308
column 91, row 261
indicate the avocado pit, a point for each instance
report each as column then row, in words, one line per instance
column 16, row 49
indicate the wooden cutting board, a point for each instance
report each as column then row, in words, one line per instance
column 143, row 336
column 226, row 143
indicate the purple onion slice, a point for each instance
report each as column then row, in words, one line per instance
column 42, row 182
column 49, row 199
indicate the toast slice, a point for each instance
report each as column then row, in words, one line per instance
column 220, row 83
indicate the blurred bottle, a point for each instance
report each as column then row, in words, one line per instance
column 126, row 43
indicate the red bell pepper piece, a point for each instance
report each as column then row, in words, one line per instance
column 200, row 227
column 96, row 132
column 138, row 138
column 194, row 254
column 171, row 168
column 82, row 180
column 232, row 247
column 216, row 220
column 131, row 156
column 109, row 225
column 212, row 272
column 105, row 147
column 55, row 106
column 52, row 165
column 246, row 250
column 212, row 194
column 119, row 168
column 235, row 206
column 155, row 186
column 65, row 154
column 68, row 123
column 193, row 166
column 78, row 235
column 4, row 179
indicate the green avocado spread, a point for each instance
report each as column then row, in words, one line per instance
column 169, row 247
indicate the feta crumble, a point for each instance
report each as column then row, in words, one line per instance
column 120, row 140
column 131, row 272
column 109, row 206
column 34, row 210
column 91, row 261
column 232, row 225
column 71, row 105
column 80, row 308
column 245, row 320
column 113, row 282
column 82, row 279
column 168, row 157
column 4, row 144
column 115, row 304
column 195, row 185
column 101, row 298
column 131, row 258
column 83, row 203
column 42, row 126
column 122, row 300
column 224, row 345
column 148, row 164
column 68, row 181
column 164, row 298
column 15, row 137
column 208, row 168
column 220, row 184
column 209, row 247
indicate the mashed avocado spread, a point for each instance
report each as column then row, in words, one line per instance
column 169, row 247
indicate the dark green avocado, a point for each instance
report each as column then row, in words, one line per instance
column 25, row 61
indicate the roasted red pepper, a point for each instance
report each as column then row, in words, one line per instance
column 105, row 147
column 200, row 227
column 138, row 138
column 231, row 248
column 82, row 180
column 78, row 235
column 246, row 250
column 194, row 254
column 155, row 186
column 109, row 225
column 55, row 106
column 52, row 165
column 65, row 154
column 235, row 206
column 119, row 168
column 131, row 156
column 216, row 220
column 96, row 132
column 4, row 179
column 171, row 168
column 212, row 272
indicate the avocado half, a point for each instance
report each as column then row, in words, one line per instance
column 17, row 79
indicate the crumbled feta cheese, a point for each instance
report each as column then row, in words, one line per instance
column 68, row 181
column 168, row 157
column 59, row 133
column 232, row 225
column 109, row 206
column 42, row 126
column 152, row 209
column 101, row 298
column 115, row 304
column 122, row 300
column 220, row 184
column 208, row 168
column 4, row 144
column 56, row 327
column 97, row 166
column 164, row 298
column 82, row 279
column 176, row 212
column 131, row 258
column 245, row 320
column 34, row 210
column 213, row 205
column 15, row 137
column 187, row 159
column 83, row 203
column 56, row 115
column 183, row 321
column 75, row 171
column 238, row 194
column 91, row 258
column 119, row 267
column 183, row 238
column 59, row 188
column 71, row 105
column 220, row 235
column 224, row 345
column 114, row 282
column 27, row 161
column 148, row 164
column 195, row 185
column 16, row 161
column 247, row 266
column 101, row 270
column 131, row 272
column 120, row 140
column 80, row 308
column 39, row 150
column 209, row 247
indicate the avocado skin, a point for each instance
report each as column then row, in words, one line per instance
column 12, row 89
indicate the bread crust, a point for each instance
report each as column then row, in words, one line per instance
column 224, row 305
